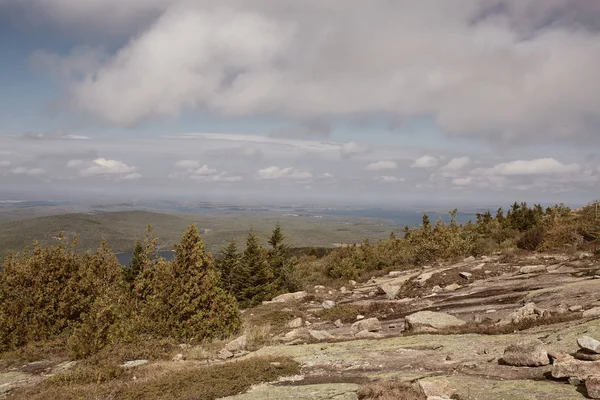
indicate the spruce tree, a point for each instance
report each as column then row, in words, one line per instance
column 188, row 300
column 281, row 263
column 132, row 270
column 230, row 267
column 260, row 282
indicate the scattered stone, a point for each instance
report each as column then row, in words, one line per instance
column 352, row 283
column 439, row 388
column 327, row 304
column 395, row 274
column 319, row 287
column 586, row 355
column 134, row 363
column 241, row 354
column 574, row 381
column 343, row 289
column 437, row 289
column 320, row 335
column 592, row 386
column 372, row 294
column 423, row 278
column 465, row 275
column 575, row 308
column 478, row 267
column 287, row 297
column 338, row 323
column 590, row 344
column 365, row 334
column 237, row 344
column 224, row 354
column 295, row 323
column 370, row 324
column 531, row 353
column 429, row 321
column 300, row 333
column 532, row 269
column 528, row 311
column 469, row 259
column 585, row 255
column 491, row 311
column 593, row 312
column 452, row 287
column 487, row 272
column 390, row 291
column 359, row 317
column 178, row 357
column 566, row 366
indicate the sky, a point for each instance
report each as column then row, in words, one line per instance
column 380, row 101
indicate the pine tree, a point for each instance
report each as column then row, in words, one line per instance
column 260, row 283
column 281, row 263
column 188, row 302
column 146, row 260
column 230, row 267
column 132, row 270
column 426, row 223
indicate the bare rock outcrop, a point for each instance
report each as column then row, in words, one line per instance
column 531, row 353
column 429, row 321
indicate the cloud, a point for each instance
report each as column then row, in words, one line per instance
column 106, row 167
column 351, row 149
column 275, row 172
column 187, row 164
column 456, row 164
column 477, row 69
column 462, row 181
column 5, row 163
column 381, row 165
column 425, row 161
column 217, row 177
column 317, row 129
column 53, row 136
column 74, row 163
column 389, row 179
column 132, row 176
column 540, row 166
column 28, row 171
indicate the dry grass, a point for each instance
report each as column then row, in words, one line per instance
column 51, row 350
column 389, row 390
column 178, row 381
column 258, row 336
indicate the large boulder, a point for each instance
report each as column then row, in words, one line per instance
column 586, row 355
column 532, row 269
column 565, row 366
column 592, row 386
column 593, row 312
column 423, row 278
column 369, row 324
column 439, row 388
column 590, row 344
column 531, row 353
column 429, row 321
column 237, row 344
column 320, row 335
column 390, row 291
column 287, row 297
column 328, row 304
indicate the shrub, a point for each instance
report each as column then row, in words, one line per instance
column 531, row 239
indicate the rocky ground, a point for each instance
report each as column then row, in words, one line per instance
column 487, row 328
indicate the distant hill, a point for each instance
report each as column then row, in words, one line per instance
column 121, row 229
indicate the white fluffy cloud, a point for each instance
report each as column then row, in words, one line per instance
column 496, row 70
column 381, row 165
column 389, row 179
column 456, row 164
column 425, row 161
column 289, row 173
column 109, row 168
column 541, row 166
column 28, row 171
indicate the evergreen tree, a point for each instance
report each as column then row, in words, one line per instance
column 146, row 260
column 426, row 223
column 230, row 267
column 188, row 302
column 132, row 270
column 259, row 285
column 281, row 263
